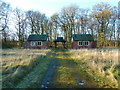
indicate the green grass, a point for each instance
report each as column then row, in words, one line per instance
column 99, row 77
column 33, row 79
column 71, row 65
column 64, row 76
column 24, row 68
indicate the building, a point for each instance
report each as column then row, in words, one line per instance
column 83, row 41
column 37, row 41
column 59, row 42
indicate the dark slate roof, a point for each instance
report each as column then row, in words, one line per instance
column 59, row 39
column 37, row 37
column 82, row 37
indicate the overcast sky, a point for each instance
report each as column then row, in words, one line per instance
column 50, row 7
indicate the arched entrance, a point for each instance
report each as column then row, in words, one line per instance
column 59, row 42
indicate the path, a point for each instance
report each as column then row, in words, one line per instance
column 49, row 74
column 79, row 80
column 47, row 79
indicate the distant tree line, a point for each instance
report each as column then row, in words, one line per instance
column 101, row 22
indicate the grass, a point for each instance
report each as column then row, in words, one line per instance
column 33, row 79
column 96, row 67
column 99, row 68
column 23, row 68
column 69, row 73
column 64, row 75
column 95, row 63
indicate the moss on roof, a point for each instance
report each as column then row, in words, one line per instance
column 37, row 37
column 82, row 37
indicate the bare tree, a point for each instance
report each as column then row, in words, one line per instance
column 55, row 25
column 66, row 21
column 20, row 25
column 4, row 19
column 37, row 22
column 83, row 20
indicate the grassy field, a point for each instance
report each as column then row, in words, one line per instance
column 98, row 68
column 23, row 68
column 102, row 64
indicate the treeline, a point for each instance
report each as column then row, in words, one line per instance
column 101, row 22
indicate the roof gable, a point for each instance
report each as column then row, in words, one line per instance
column 37, row 37
column 82, row 37
column 59, row 39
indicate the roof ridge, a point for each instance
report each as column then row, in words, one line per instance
column 82, row 37
column 37, row 37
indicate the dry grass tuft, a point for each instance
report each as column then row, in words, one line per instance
column 100, row 63
column 17, row 63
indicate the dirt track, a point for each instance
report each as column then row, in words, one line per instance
column 48, row 80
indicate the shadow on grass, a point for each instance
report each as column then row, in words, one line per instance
column 70, row 72
column 16, row 74
column 66, row 75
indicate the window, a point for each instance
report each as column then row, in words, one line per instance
column 80, row 43
column 33, row 43
column 86, row 43
column 39, row 43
